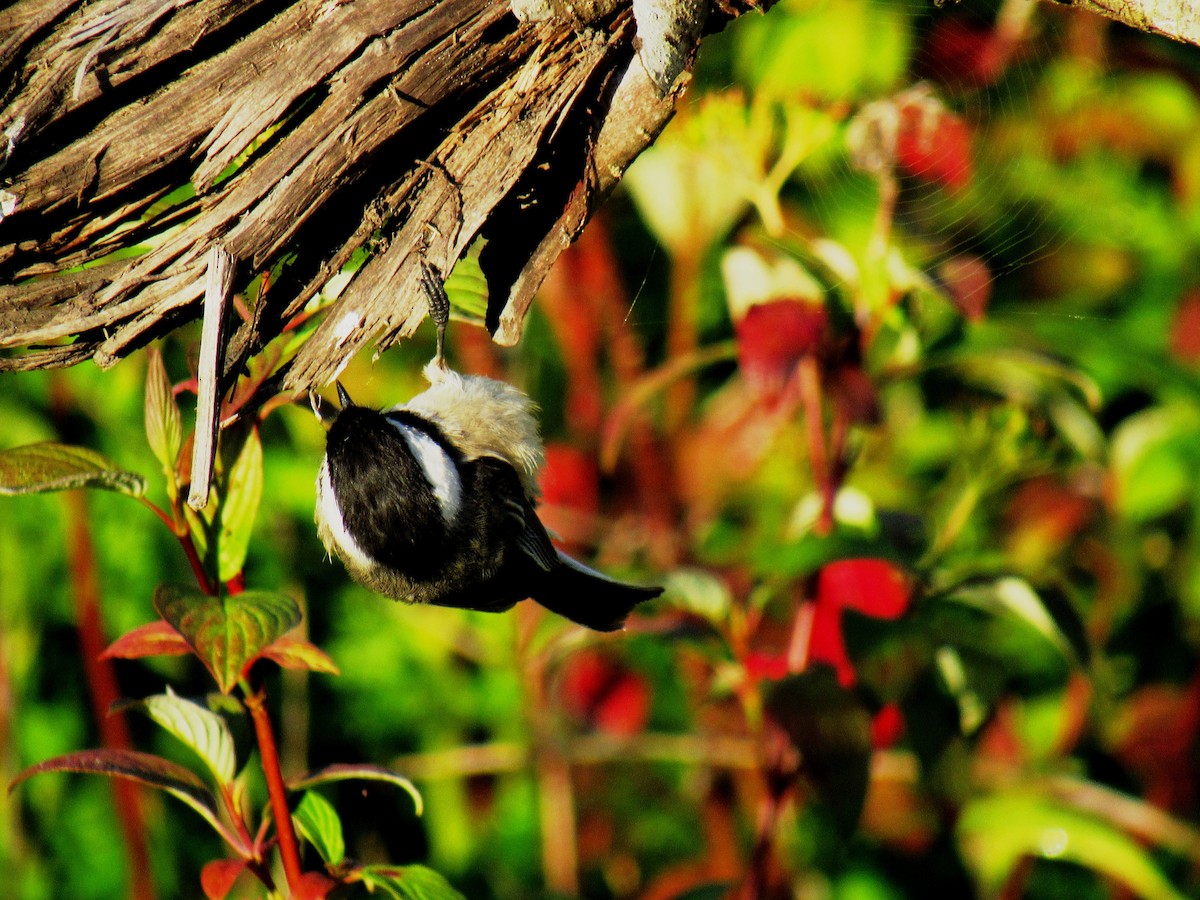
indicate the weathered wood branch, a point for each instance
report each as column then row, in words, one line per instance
column 139, row 133
column 1176, row 19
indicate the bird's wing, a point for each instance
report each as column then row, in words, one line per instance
column 517, row 508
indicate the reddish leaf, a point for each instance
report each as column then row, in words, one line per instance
column 152, row 639
column 293, row 653
column 144, row 768
column 603, row 693
column 218, row 876
column 227, row 632
column 773, row 337
column 358, row 772
column 1185, row 333
column 960, row 51
column 873, row 587
column 314, row 886
column 570, row 483
column 765, row 665
column 934, row 145
column 887, row 727
column 968, row 280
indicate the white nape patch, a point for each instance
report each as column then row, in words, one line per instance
column 439, row 469
column 330, row 513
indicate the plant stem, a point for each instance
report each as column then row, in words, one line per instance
column 102, row 685
column 289, row 850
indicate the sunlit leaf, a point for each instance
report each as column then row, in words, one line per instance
column 408, row 883
column 202, row 730
column 832, row 730
column 144, row 768
column 467, row 287
column 293, row 653
column 164, row 427
column 318, row 823
column 239, row 506
column 699, row 592
column 152, row 639
column 996, row 832
column 227, row 632
column 38, row 468
column 347, row 772
column 218, row 876
column 1014, row 597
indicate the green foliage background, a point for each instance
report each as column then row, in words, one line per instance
column 1032, row 470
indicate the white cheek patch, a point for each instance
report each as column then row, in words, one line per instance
column 439, row 469
column 331, row 514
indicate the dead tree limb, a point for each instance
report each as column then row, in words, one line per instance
column 137, row 134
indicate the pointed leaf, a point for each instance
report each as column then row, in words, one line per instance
column 38, row 468
column 202, row 730
column 996, row 832
column 1013, row 597
column 408, row 883
column 832, row 730
column 164, row 427
column 314, row 886
column 218, row 876
column 239, row 506
column 152, row 639
column 346, row 772
column 293, row 653
column 227, row 632
column 318, row 823
column 144, row 768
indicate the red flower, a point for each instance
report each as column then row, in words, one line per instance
column 601, row 692
column 873, row 587
column 774, row 336
column 934, row 145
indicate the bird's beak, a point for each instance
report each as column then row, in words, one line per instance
column 343, row 397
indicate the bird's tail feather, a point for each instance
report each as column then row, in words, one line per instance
column 588, row 597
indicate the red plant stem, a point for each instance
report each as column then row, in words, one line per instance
column 189, row 549
column 289, row 849
column 818, row 456
column 102, row 685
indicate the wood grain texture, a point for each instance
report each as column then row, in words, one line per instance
column 137, row 134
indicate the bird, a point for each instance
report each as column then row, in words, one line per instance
column 433, row 502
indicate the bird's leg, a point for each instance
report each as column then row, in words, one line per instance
column 439, row 307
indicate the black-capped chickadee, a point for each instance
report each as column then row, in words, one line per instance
column 432, row 502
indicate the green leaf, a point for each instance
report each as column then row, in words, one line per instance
column 408, row 883
column 318, row 823
column 38, row 468
column 832, row 730
column 997, row 831
column 347, row 772
column 201, row 729
column 164, row 428
column 1014, row 598
column 467, row 286
column 699, row 592
column 239, row 506
column 227, row 632
column 144, row 768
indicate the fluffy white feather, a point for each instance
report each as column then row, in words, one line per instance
column 483, row 417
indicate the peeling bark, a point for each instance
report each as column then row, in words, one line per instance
column 138, row 134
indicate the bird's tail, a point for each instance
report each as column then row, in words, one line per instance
column 589, row 598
